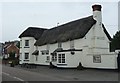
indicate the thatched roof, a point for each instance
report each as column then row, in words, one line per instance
column 33, row 32
column 106, row 32
column 69, row 31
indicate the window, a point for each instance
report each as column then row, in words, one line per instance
column 48, row 58
column 26, row 55
column 36, row 58
column 54, row 57
column 26, row 43
column 72, row 44
column 96, row 59
column 16, row 55
column 45, row 52
column 61, row 58
column 59, row 45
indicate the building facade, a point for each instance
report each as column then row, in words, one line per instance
column 84, row 41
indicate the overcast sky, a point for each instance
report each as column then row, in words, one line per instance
column 18, row 16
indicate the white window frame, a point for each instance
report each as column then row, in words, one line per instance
column 45, row 52
column 47, row 58
column 61, row 58
column 54, row 57
column 25, row 55
column 36, row 58
column 27, row 43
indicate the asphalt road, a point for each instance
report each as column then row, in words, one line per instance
column 42, row 73
column 15, row 74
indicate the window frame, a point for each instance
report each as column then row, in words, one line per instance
column 26, row 43
column 45, row 52
column 25, row 56
column 96, row 58
column 61, row 59
column 54, row 57
column 47, row 58
column 36, row 58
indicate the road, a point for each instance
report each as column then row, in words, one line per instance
column 14, row 74
column 46, row 74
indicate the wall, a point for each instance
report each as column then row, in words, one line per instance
column 30, row 50
column 108, row 61
column 119, row 16
column 90, row 44
column 72, row 61
column 13, row 48
column 97, row 42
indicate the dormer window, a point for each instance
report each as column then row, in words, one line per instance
column 26, row 43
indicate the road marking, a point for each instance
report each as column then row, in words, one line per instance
column 12, row 76
column 6, row 73
column 18, row 78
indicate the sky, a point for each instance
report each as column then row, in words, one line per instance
column 19, row 15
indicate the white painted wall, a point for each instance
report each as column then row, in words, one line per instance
column 42, row 59
column 30, row 50
column 72, row 61
column 108, row 61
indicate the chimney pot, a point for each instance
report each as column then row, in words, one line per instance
column 97, row 7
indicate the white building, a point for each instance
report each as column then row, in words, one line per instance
column 84, row 41
column 119, row 16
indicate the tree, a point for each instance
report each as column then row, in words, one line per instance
column 115, row 43
column 12, row 55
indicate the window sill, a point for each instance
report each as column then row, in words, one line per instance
column 64, row 64
column 26, row 60
column 26, row 47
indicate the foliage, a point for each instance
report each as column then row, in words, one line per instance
column 115, row 43
column 12, row 56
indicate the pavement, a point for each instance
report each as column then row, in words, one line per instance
column 44, row 73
